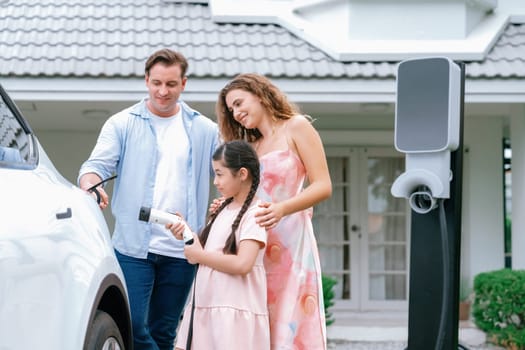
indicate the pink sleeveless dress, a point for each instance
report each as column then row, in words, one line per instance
column 293, row 271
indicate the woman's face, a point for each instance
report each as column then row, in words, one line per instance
column 245, row 107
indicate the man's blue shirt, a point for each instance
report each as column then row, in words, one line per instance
column 127, row 146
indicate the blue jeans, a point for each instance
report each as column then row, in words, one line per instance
column 157, row 288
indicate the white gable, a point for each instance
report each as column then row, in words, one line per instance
column 383, row 30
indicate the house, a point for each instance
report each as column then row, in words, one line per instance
column 71, row 64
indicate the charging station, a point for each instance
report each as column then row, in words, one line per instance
column 429, row 130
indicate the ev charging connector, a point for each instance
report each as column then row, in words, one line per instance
column 426, row 129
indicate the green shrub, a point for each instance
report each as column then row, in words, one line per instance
column 328, row 297
column 499, row 306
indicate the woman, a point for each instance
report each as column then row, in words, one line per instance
column 252, row 108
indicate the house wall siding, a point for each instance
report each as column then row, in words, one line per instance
column 518, row 186
column 483, row 195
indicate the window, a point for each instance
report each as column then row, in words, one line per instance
column 16, row 146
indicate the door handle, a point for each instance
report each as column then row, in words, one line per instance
column 65, row 215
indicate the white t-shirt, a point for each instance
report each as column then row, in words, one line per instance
column 170, row 182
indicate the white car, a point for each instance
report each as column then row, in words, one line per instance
column 60, row 283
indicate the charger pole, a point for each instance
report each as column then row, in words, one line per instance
column 426, row 262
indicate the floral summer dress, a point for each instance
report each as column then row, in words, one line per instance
column 293, row 272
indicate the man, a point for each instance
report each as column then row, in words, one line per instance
column 161, row 151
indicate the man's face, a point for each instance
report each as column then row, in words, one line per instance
column 165, row 85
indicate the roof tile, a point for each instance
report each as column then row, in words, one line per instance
column 100, row 38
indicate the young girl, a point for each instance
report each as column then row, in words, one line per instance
column 229, row 297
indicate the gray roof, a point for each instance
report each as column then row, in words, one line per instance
column 100, row 38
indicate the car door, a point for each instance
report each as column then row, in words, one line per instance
column 35, row 209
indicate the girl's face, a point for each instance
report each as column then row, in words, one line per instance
column 228, row 183
column 245, row 107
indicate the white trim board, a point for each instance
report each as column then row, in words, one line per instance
column 206, row 90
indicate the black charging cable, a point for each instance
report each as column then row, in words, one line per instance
column 93, row 189
column 446, row 277
column 446, row 274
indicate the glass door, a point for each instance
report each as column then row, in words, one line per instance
column 362, row 231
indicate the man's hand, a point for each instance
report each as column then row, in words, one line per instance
column 91, row 183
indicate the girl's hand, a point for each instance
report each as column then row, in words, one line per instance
column 194, row 251
column 215, row 204
column 176, row 228
column 269, row 215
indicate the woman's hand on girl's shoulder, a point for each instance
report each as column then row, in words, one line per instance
column 215, row 204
